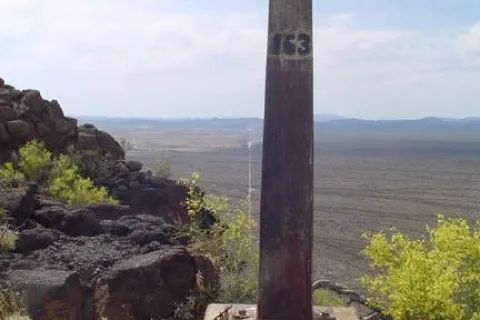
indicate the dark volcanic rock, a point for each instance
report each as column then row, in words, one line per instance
column 71, row 221
column 141, row 229
column 80, row 222
column 145, row 286
column 128, row 257
column 92, row 139
column 110, row 212
column 18, row 200
column 93, row 255
column 51, row 294
column 34, row 239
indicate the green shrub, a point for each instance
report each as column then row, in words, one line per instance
column 65, row 184
column 8, row 173
column 12, row 305
column 34, row 160
column 58, row 177
column 227, row 244
column 433, row 278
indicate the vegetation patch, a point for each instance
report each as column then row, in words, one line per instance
column 58, row 177
column 432, row 278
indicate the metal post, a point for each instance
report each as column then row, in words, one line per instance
column 287, row 165
column 249, row 175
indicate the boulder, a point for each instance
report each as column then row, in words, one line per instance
column 18, row 200
column 30, row 240
column 93, row 140
column 146, row 286
column 51, row 294
column 19, row 128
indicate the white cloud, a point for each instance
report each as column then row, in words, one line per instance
column 148, row 55
column 468, row 43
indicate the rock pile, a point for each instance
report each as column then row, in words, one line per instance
column 24, row 115
column 99, row 261
column 145, row 193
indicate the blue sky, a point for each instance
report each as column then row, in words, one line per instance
column 189, row 58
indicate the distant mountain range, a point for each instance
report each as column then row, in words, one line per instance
column 323, row 122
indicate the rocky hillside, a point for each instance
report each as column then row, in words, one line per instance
column 103, row 261
column 25, row 115
column 100, row 261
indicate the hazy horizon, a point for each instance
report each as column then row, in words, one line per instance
column 340, row 117
column 178, row 59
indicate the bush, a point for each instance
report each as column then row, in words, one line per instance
column 427, row 279
column 8, row 237
column 34, row 161
column 228, row 244
column 8, row 174
column 58, row 177
column 12, row 305
column 67, row 185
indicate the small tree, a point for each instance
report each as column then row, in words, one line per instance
column 227, row 244
column 427, row 279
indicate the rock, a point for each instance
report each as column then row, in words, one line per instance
column 43, row 130
column 92, row 139
column 50, row 215
column 144, row 237
column 5, row 94
column 2, row 82
column 116, row 228
column 121, row 169
column 146, row 286
column 34, row 239
column 65, row 125
column 134, row 166
column 19, row 200
column 54, row 110
column 19, row 128
column 28, row 116
column 51, row 294
column 33, row 101
column 80, row 222
column 110, row 212
column 141, row 229
column 4, row 134
column 7, row 113
column 71, row 221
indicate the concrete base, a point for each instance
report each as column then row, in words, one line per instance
column 248, row 312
